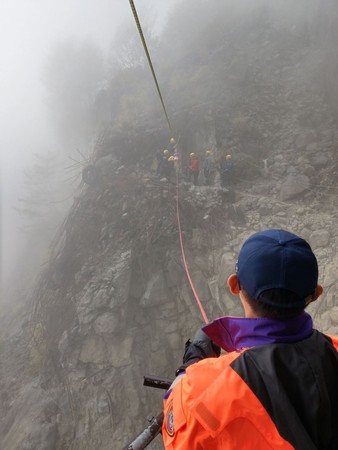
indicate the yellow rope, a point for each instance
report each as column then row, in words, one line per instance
column 150, row 63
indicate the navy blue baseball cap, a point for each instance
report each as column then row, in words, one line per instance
column 277, row 259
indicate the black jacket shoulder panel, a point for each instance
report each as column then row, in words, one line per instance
column 298, row 386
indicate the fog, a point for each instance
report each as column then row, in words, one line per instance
column 256, row 80
column 28, row 30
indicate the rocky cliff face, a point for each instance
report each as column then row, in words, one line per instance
column 114, row 303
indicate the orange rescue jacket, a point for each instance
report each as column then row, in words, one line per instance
column 234, row 403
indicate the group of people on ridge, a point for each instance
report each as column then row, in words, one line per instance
column 225, row 166
column 168, row 159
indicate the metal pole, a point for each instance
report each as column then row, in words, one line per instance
column 147, row 435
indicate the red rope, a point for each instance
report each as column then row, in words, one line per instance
column 183, row 255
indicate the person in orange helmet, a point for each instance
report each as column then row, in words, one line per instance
column 276, row 386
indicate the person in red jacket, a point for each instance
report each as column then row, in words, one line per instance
column 194, row 167
column 276, row 386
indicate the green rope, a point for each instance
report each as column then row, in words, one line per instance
column 149, row 61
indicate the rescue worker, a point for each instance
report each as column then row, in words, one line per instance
column 276, row 387
column 163, row 169
column 172, row 146
column 226, row 169
column 194, row 167
column 208, row 168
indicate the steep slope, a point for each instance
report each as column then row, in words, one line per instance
column 114, row 303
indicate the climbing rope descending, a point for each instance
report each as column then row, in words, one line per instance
column 177, row 181
column 183, row 253
column 150, row 62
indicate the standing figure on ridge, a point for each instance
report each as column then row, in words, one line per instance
column 194, row 167
column 226, row 169
column 164, row 165
column 172, row 146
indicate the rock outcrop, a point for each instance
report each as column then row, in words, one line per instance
column 114, row 302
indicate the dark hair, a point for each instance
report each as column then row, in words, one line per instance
column 269, row 303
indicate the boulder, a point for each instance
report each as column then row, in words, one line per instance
column 294, row 185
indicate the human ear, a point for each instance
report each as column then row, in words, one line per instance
column 233, row 284
column 318, row 292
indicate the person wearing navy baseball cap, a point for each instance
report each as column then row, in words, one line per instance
column 277, row 272
column 275, row 386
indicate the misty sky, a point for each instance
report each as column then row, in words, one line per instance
column 28, row 29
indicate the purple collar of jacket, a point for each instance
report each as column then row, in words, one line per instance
column 236, row 333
